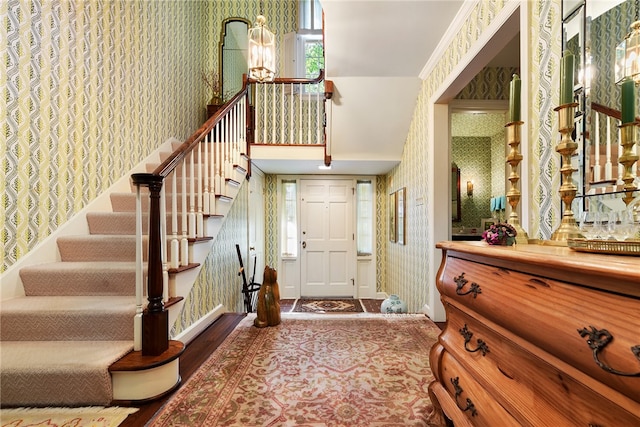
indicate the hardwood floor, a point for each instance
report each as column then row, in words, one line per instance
column 198, row 351
column 195, row 354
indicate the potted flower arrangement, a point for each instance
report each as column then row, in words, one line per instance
column 500, row 234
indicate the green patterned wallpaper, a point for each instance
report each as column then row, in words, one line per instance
column 478, row 148
column 489, row 83
column 473, row 157
column 90, row 88
column 409, row 269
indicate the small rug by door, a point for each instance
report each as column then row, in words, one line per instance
column 92, row 416
column 327, row 305
column 312, row 370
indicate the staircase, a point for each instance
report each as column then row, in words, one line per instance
column 59, row 342
column 68, row 323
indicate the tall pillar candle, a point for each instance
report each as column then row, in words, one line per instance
column 566, row 78
column 628, row 108
column 514, row 99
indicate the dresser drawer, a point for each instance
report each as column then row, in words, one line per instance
column 515, row 376
column 553, row 315
column 470, row 397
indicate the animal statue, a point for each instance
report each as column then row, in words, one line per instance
column 268, row 307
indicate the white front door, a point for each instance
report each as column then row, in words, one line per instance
column 327, row 235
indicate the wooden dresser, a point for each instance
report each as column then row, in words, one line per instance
column 537, row 336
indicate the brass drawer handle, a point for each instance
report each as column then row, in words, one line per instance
column 598, row 340
column 470, row 406
column 461, row 282
column 481, row 345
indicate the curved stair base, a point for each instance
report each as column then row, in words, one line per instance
column 138, row 378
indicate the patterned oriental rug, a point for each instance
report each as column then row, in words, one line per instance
column 93, row 416
column 312, row 370
column 326, row 305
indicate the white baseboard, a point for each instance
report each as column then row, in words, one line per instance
column 203, row 323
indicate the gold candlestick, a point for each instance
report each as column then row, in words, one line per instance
column 628, row 138
column 513, row 195
column 568, row 228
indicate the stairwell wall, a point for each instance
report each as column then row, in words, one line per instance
column 91, row 89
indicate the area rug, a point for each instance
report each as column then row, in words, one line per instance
column 312, row 370
column 92, row 416
column 327, row 305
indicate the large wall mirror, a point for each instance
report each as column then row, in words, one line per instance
column 233, row 55
column 591, row 31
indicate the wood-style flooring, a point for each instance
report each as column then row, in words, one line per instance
column 199, row 350
column 195, row 354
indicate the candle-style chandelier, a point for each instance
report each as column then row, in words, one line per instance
column 262, row 52
column 628, row 53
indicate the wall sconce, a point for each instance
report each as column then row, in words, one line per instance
column 469, row 188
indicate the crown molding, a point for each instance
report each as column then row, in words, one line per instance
column 461, row 17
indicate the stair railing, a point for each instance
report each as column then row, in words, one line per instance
column 607, row 171
column 196, row 175
column 193, row 180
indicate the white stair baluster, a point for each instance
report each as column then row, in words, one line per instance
column 137, row 320
column 184, row 242
column 175, row 245
column 199, row 216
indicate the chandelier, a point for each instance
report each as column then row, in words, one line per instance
column 262, row 52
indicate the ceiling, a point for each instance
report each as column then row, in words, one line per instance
column 375, row 51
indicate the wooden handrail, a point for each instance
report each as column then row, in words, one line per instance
column 611, row 112
column 181, row 152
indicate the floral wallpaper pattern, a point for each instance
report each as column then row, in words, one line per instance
column 91, row 88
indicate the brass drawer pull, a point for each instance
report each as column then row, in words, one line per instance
column 598, row 340
column 470, row 406
column 481, row 345
column 461, row 282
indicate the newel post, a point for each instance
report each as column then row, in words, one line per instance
column 155, row 319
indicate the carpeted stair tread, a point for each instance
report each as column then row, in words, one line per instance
column 60, row 318
column 126, row 202
column 58, row 373
column 98, row 247
column 119, row 223
column 79, row 278
column 115, row 223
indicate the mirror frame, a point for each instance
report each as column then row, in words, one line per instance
column 456, row 211
column 223, row 34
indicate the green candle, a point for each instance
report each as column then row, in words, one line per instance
column 566, row 78
column 628, row 108
column 514, row 99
